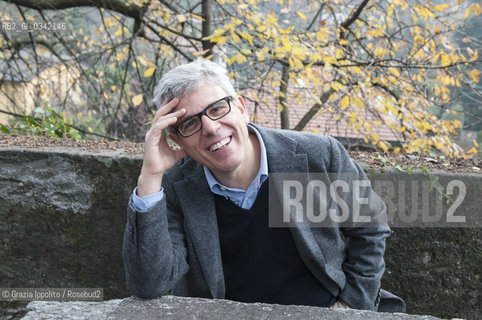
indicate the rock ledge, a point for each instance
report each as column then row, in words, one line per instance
column 171, row 307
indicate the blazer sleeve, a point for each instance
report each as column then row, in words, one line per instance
column 364, row 264
column 154, row 250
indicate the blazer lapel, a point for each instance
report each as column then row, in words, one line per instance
column 282, row 158
column 199, row 209
column 281, row 152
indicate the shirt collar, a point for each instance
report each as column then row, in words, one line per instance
column 263, row 168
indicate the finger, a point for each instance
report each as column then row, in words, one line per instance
column 163, row 123
column 169, row 117
column 166, row 108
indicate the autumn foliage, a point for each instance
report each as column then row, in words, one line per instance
column 404, row 62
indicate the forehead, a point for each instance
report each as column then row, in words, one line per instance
column 201, row 98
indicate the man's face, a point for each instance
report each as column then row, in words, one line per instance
column 220, row 145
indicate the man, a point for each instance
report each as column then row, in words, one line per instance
column 197, row 221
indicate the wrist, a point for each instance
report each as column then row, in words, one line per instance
column 148, row 184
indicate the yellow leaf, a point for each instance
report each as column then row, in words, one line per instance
column 337, row 117
column 221, row 41
column 476, row 8
column 200, row 53
column 472, row 150
column 90, row 129
column 295, row 63
column 358, row 103
column 441, row 7
column 195, row 16
column 345, row 102
column 395, row 72
column 299, row 52
column 239, row 58
column 302, row 16
column 383, row 146
column 137, row 100
column 446, row 60
column 396, row 150
column 336, row 86
column 326, row 87
column 247, row 36
column 474, row 74
column 321, row 36
column 375, row 137
column 235, row 38
column 149, row 72
column 261, row 53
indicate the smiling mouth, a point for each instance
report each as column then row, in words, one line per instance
column 221, row 144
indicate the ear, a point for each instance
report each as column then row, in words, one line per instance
column 241, row 105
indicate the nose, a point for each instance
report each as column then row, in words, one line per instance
column 209, row 126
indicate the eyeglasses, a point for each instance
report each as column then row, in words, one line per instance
column 214, row 111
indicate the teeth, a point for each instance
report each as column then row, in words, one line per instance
column 220, row 144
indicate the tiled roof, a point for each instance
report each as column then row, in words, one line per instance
column 268, row 115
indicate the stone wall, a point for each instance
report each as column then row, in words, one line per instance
column 175, row 308
column 62, row 215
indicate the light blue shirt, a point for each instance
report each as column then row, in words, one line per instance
column 243, row 198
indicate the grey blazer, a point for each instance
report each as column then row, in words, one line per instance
column 175, row 245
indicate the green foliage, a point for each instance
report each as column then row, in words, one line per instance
column 45, row 121
column 90, row 125
column 434, row 183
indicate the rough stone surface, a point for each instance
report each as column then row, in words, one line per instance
column 175, row 308
column 62, row 218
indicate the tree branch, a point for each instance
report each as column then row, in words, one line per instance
column 127, row 9
column 354, row 15
column 316, row 16
column 206, row 28
column 283, row 97
column 352, row 18
column 313, row 111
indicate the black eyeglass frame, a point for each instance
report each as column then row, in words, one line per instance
column 199, row 115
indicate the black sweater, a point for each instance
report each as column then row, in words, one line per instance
column 262, row 264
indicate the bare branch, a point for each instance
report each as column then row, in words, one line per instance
column 125, row 8
column 283, row 100
column 313, row 111
column 352, row 18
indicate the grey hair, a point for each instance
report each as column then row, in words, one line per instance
column 187, row 78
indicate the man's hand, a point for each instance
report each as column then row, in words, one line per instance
column 158, row 156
